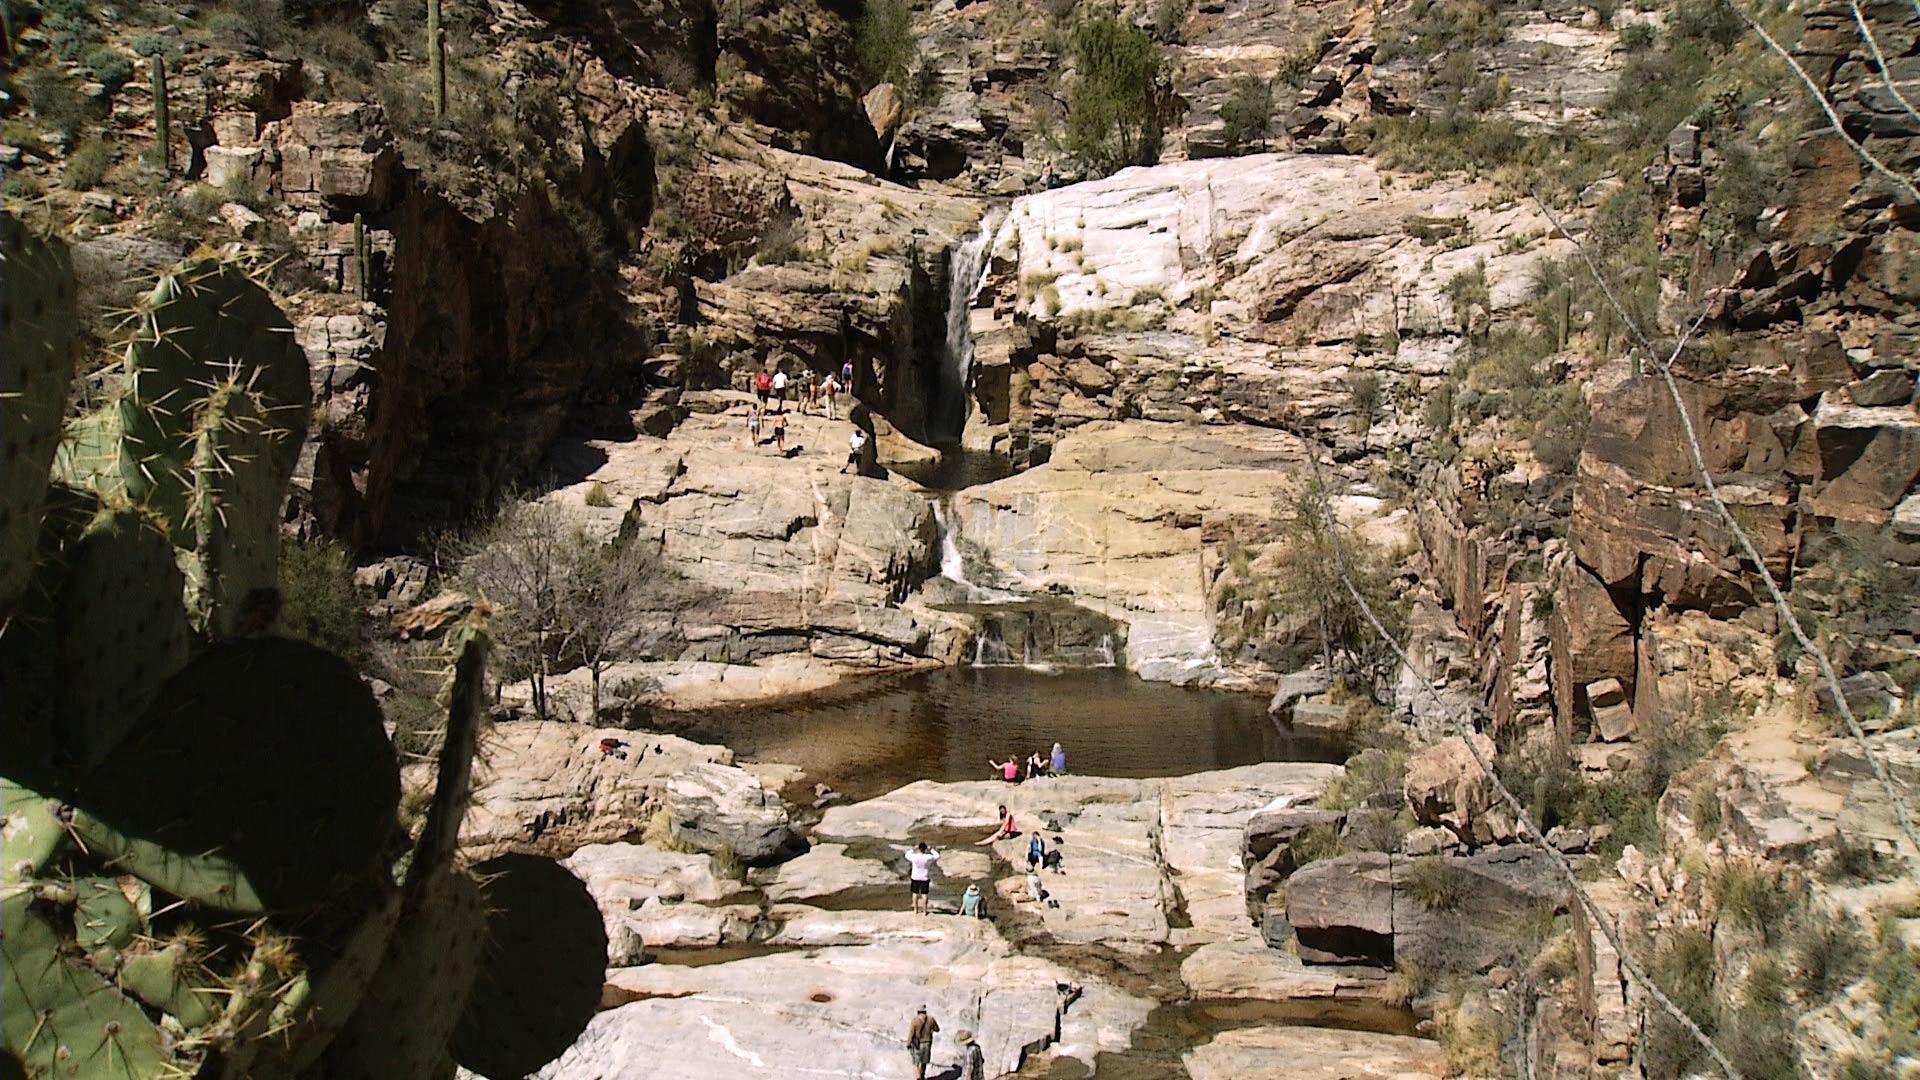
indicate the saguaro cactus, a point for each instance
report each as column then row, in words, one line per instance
column 437, row 58
column 162, row 117
column 362, row 259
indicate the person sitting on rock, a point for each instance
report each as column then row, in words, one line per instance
column 1052, row 859
column 1036, row 892
column 971, row 904
column 1059, row 763
column 614, row 748
column 1006, row 831
column 1036, row 765
column 1009, row 769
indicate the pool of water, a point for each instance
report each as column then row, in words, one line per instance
column 944, row 725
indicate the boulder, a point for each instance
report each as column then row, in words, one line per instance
column 1446, row 787
column 1613, row 723
column 1320, row 718
column 1605, row 692
column 1296, row 685
column 1888, row 386
column 1313, row 1053
column 1873, row 697
column 717, row 807
column 884, row 107
column 1494, row 903
column 1266, row 849
column 1342, row 910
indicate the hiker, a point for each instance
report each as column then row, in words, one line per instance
column 971, row 903
column 920, row 1041
column 1059, row 763
column 846, row 376
column 1006, row 831
column 762, row 386
column 1036, row 851
column 813, row 392
column 1009, row 770
column 753, row 424
column 856, row 442
column 780, row 388
column 827, row 390
column 973, row 1063
column 780, row 432
column 920, row 877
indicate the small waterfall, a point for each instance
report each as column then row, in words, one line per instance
column 967, row 267
column 952, row 566
column 1106, row 651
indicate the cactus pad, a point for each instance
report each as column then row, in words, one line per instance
column 37, row 305
column 541, row 976
column 119, row 620
column 234, row 510
column 266, row 754
column 167, row 981
column 62, row 1018
column 102, row 914
column 403, row 1026
column 31, row 833
column 206, row 324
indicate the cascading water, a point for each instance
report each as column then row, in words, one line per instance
column 967, row 267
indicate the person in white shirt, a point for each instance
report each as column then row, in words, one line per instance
column 856, row 442
column 920, row 876
column 780, row 389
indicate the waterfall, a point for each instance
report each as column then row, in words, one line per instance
column 967, row 266
column 952, row 566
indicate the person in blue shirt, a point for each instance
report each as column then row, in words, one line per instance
column 1059, row 760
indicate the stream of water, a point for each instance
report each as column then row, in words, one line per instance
column 944, row 725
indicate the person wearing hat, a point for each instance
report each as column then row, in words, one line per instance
column 970, row 903
column 920, row 1041
column 973, row 1063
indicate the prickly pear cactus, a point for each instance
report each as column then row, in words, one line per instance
column 36, row 365
column 205, row 325
column 269, row 751
column 63, row 1018
column 235, row 514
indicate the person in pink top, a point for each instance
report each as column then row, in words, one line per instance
column 1004, row 832
column 1009, row 769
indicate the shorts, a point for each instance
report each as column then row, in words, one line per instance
column 920, row 888
column 922, row 1053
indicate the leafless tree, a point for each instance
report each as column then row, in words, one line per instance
column 604, row 603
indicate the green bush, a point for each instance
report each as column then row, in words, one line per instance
column 1829, row 955
column 57, row 104
column 1247, row 114
column 107, row 65
column 1434, row 884
column 318, row 602
column 1752, row 896
column 883, row 40
column 87, row 165
column 149, row 43
column 1561, row 431
column 1113, row 110
column 1683, row 965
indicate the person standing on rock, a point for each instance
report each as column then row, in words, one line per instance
column 920, row 1040
column 780, row 432
column 762, row 386
column 780, row 389
column 827, row 390
column 813, row 393
column 753, row 424
column 846, row 376
column 1036, row 851
column 973, row 1063
column 920, row 877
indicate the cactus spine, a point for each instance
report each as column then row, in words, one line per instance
column 362, row 259
column 162, row 117
column 437, row 58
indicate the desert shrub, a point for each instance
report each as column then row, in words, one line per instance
column 1894, row 978
column 1372, row 778
column 57, row 104
column 1683, row 966
column 1434, row 884
column 1855, row 860
column 1741, row 190
column 1828, row 954
column 1437, row 413
column 596, row 495
column 19, row 185
column 1752, row 896
column 318, row 602
column 1247, row 114
column 1169, row 20
column 1113, row 108
column 107, row 65
column 1315, row 842
column 87, row 164
column 149, row 43
column 1628, row 812
column 1561, row 431
column 883, row 40
column 1472, row 1042
column 1637, row 37
column 1547, row 783
column 1364, row 388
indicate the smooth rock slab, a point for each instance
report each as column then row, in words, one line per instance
column 715, row 807
column 1305, row 1053
column 833, row 1012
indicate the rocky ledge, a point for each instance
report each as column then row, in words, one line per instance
column 813, row 963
